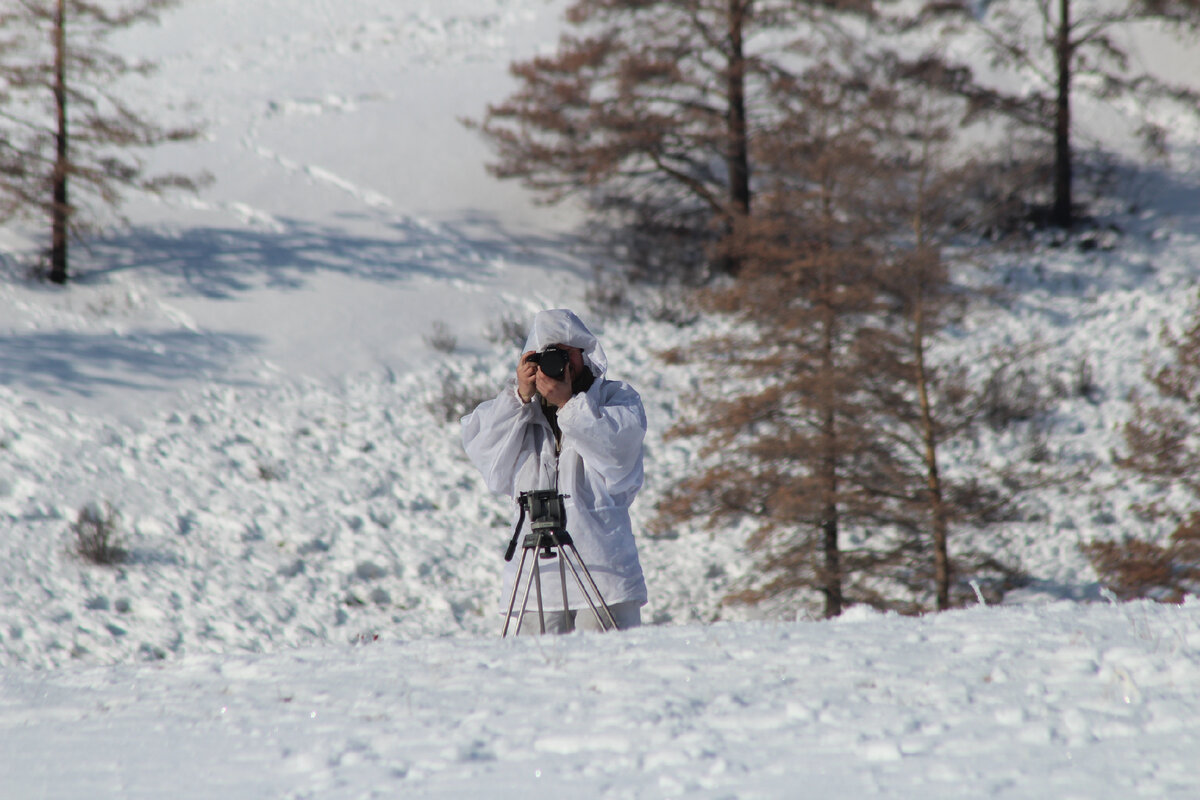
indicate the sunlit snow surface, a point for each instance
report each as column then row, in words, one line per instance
column 308, row 605
column 1039, row 702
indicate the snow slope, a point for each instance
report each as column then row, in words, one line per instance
column 249, row 376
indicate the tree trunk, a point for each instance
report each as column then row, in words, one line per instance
column 831, row 579
column 737, row 156
column 933, row 480
column 738, row 159
column 1062, row 212
column 60, row 210
column 832, row 569
column 938, row 518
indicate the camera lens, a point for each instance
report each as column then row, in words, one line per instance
column 552, row 361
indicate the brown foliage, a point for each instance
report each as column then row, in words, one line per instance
column 801, row 449
column 1134, row 568
column 648, row 111
column 1163, row 445
column 829, row 445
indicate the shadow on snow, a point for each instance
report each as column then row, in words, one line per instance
column 219, row 263
column 83, row 364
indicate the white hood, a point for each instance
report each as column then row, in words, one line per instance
column 561, row 326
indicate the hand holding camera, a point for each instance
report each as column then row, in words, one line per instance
column 547, row 373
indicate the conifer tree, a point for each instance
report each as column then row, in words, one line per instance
column 924, row 403
column 1067, row 47
column 75, row 137
column 650, row 107
column 832, row 449
column 799, row 448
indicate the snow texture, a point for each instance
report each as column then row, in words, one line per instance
column 262, row 380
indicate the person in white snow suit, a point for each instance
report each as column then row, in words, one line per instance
column 582, row 436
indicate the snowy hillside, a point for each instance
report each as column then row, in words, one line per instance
column 260, row 380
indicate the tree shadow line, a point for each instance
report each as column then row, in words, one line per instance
column 1126, row 249
column 83, row 364
column 222, row 262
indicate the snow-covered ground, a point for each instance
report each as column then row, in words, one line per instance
column 249, row 377
column 1052, row 702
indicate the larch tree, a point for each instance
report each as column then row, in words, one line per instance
column 825, row 426
column 923, row 403
column 1065, row 47
column 76, row 138
column 789, row 424
column 649, row 110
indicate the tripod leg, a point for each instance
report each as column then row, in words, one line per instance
column 612, row 623
column 512, row 598
column 537, row 577
column 568, row 625
column 525, row 596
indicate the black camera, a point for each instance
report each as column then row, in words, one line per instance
column 552, row 361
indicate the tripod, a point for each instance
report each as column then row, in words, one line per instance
column 548, row 534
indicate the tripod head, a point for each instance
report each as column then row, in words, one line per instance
column 547, row 520
column 547, row 512
column 546, row 509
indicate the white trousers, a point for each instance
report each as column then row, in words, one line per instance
column 627, row 615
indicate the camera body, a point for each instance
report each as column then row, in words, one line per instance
column 552, row 361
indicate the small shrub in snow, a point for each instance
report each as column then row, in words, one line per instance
column 441, row 339
column 97, row 534
column 1133, row 568
column 269, row 472
column 1012, row 396
column 1162, row 445
column 458, row 398
column 607, row 295
column 674, row 308
column 508, row 330
column 1085, row 380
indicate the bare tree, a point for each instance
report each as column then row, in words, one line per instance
column 650, row 110
column 74, row 136
column 799, row 448
column 1070, row 46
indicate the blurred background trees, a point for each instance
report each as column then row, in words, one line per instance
column 1058, row 50
column 1162, row 446
column 648, row 112
column 69, row 141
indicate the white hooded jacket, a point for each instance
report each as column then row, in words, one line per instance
column 599, row 467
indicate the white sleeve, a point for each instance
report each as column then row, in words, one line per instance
column 608, row 433
column 499, row 439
